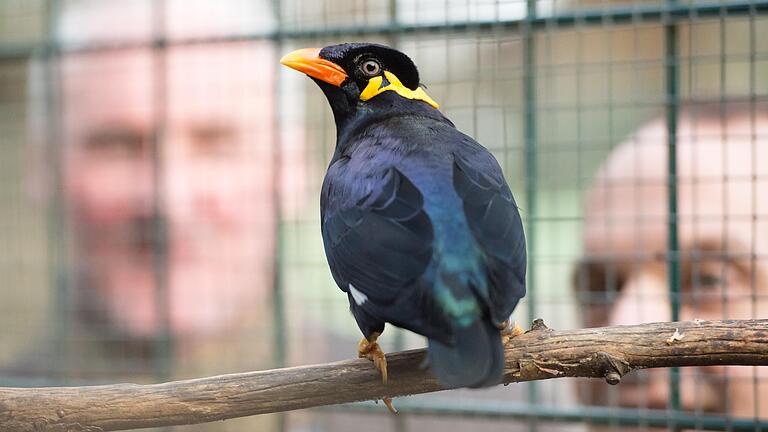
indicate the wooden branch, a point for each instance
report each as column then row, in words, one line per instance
column 541, row 353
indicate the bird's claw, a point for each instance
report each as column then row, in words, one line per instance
column 371, row 350
column 509, row 331
column 388, row 402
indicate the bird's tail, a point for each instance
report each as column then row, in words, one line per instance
column 476, row 359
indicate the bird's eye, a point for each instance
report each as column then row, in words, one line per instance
column 370, row 67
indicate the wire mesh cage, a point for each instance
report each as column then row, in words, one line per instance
column 161, row 176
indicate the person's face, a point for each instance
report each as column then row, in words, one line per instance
column 723, row 233
column 209, row 183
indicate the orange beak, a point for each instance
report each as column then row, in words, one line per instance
column 308, row 60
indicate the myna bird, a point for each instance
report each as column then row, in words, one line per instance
column 419, row 226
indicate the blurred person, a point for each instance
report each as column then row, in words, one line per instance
column 167, row 191
column 201, row 202
column 722, row 163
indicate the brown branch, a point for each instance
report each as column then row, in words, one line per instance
column 541, row 353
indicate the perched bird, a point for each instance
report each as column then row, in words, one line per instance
column 419, row 226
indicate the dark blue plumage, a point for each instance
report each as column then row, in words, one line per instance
column 419, row 226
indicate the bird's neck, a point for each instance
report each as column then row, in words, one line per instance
column 381, row 108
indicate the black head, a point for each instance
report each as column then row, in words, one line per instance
column 352, row 74
column 363, row 61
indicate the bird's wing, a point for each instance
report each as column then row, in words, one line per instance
column 494, row 220
column 377, row 243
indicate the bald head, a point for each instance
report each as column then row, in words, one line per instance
column 722, row 165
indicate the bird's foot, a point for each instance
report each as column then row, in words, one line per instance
column 371, row 350
column 509, row 331
column 388, row 402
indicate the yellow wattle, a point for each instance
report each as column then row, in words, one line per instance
column 374, row 88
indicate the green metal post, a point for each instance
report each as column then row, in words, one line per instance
column 280, row 332
column 57, row 215
column 280, row 354
column 531, row 160
column 163, row 346
column 594, row 415
column 671, row 77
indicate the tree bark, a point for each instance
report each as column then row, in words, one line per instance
column 541, row 353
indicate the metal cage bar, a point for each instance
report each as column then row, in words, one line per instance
column 531, row 167
column 619, row 15
column 592, row 415
column 671, row 78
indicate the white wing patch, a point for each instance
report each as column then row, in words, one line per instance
column 359, row 297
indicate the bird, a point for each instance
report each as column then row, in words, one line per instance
column 419, row 226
